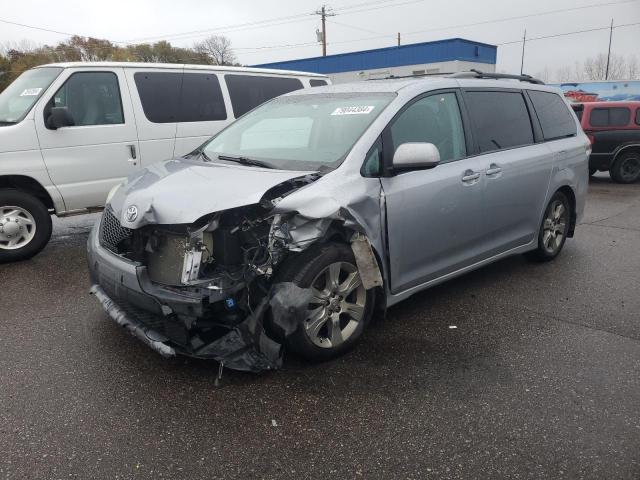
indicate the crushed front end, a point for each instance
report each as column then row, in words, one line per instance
column 202, row 289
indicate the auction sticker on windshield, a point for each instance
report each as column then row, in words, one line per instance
column 30, row 92
column 359, row 110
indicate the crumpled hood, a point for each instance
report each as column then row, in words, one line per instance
column 181, row 191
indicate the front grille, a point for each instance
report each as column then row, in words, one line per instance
column 111, row 232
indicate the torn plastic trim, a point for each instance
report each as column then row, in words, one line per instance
column 366, row 262
column 153, row 339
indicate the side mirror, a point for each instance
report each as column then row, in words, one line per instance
column 416, row 155
column 59, row 117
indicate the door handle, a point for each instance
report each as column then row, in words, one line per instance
column 493, row 170
column 132, row 154
column 470, row 176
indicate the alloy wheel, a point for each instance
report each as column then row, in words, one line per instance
column 554, row 227
column 337, row 306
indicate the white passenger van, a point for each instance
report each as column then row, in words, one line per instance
column 69, row 132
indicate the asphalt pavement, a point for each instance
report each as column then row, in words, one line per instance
column 517, row 370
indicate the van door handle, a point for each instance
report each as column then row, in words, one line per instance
column 493, row 170
column 132, row 154
column 470, row 176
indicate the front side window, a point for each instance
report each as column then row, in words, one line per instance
column 501, row 119
column 17, row 99
column 299, row 132
column 249, row 91
column 555, row 119
column 92, row 98
column 610, row 117
column 434, row 119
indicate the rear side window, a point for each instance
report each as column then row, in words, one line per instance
column 501, row 120
column 317, row 83
column 201, row 99
column 555, row 119
column 249, row 91
column 159, row 94
column 610, row 117
column 638, row 116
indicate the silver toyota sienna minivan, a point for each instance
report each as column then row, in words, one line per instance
column 289, row 227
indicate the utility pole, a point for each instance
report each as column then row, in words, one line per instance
column 524, row 41
column 398, row 38
column 606, row 75
column 324, row 13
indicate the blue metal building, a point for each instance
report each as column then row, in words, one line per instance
column 452, row 54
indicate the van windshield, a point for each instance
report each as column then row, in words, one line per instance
column 299, row 132
column 18, row 98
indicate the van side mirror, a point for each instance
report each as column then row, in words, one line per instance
column 59, row 117
column 416, row 156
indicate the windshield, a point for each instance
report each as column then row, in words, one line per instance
column 299, row 132
column 18, row 98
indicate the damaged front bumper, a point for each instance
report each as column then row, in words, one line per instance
column 124, row 291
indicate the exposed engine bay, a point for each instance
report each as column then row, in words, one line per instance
column 216, row 280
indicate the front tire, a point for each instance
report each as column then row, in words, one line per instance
column 340, row 308
column 553, row 229
column 626, row 167
column 25, row 225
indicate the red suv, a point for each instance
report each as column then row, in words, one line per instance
column 614, row 131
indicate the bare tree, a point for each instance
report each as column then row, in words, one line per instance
column 217, row 48
column 565, row 74
column 595, row 68
column 633, row 71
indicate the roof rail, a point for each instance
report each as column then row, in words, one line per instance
column 473, row 73
column 412, row 75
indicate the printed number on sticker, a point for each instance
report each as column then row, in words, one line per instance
column 29, row 92
column 359, row 110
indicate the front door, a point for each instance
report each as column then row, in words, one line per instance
column 434, row 217
column 87, row 159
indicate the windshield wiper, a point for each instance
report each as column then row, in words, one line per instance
column 245, row 161
column 204, row 156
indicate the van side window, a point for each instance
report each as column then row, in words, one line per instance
column 317, row 83
column 201, row 99
column 92, row 98
column 555, row 119
column 249, row 91
column 501, row 119
column 433, row 119
column 610, row 117
column 638, row 117
column 159, row 95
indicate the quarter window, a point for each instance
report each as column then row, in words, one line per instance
column 610, row 117
column 249, row 91
column 92, row 98
column 638, row 116
column 433, row 119
column 555, row 119
column 501, row 120
column 317, row 83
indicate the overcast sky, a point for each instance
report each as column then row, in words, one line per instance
column 358, row 25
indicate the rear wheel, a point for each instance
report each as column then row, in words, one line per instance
column 592, row 171
column 626, row 167
column 340, row 307
column 553, row 229
column 25, row 225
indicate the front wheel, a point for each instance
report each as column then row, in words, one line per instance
column 553, row 229
column 626, row 168
column 340, row 306
column 25, row 225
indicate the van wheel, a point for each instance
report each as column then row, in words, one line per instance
column 25, row 225
column 626, row 168
column 592, row 171
column 553, row 229
column 340, row 308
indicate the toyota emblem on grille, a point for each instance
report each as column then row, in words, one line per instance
column 132, row 213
